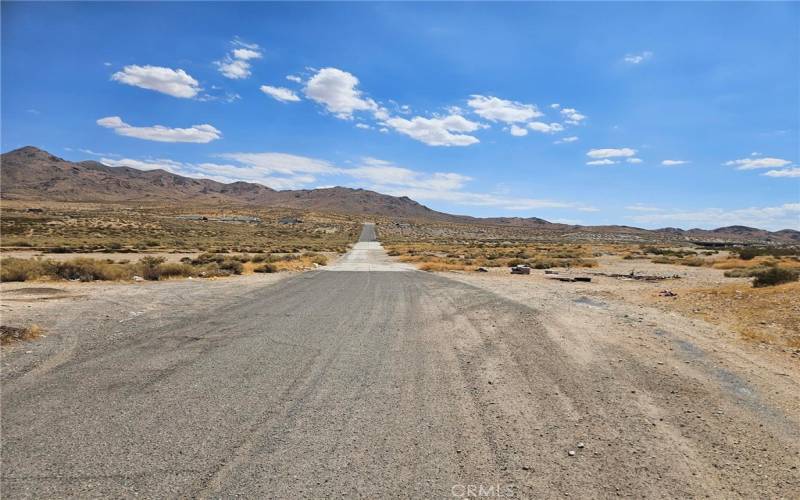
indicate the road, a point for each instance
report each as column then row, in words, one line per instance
column 373, row 380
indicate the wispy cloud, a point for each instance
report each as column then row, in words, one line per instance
column 753, row 163
column 280, row 93
column 674, row 163
column 638, row 58
column 786, row 172
column 236, row 65
column 567, row 140
column 611, row 153
column 773, row 218
column 196, row 133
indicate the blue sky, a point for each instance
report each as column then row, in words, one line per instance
column 654, row 115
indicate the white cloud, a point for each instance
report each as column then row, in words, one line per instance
column 672, row 163
column 196, row 133
column 287, row 171
column 337, row 91
column 572, row 116
column 174, row 82
column 638, row 58
column 566, row 140
column 281, row 163
column 546, row 128
column 363, row 126
column 236, row 64
column 772, row 218
column 640, row 207
column 246, row 54
column 602, row 162
column 446, row 131
column 517, row 131
column 294, row 78
column 383, row 173
column 633, row 160
column 786, row 172
column 754, row 163
column 481, row 199
column 280, row 93
column 555, row 105
column 611, row 152
column 496, row 109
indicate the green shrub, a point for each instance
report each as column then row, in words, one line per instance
column 774, row 276
column 150, row 267
column 232, row 265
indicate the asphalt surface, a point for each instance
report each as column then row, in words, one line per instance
column 372, row 384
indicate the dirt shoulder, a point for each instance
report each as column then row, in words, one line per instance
column 631, row 316
column 74, row 314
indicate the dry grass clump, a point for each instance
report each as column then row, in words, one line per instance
column 442, row 267
column 12, row 334
column 278, row 263
column 86, row 269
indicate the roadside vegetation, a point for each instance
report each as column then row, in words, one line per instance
column 207, row 265
column 767, row 265
column 470, row 256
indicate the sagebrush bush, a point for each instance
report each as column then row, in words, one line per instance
column 266, row 268
column 85, row 269
column 774, row 276
column 13, row 269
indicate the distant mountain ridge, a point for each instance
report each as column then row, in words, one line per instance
column 32, row 174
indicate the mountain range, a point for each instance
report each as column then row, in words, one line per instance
column 30, row 173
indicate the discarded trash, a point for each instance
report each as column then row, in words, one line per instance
column 520, row 270
column 570, row 279
column 548, row 271
column 667, row 293
column 138, row 278
column 643, row 277
column 482, row 270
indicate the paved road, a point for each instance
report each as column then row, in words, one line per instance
column 366, row 383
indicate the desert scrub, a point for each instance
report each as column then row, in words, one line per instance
column 774, row 276
column 85, row 269
column 11, row 334
column 13, row 269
